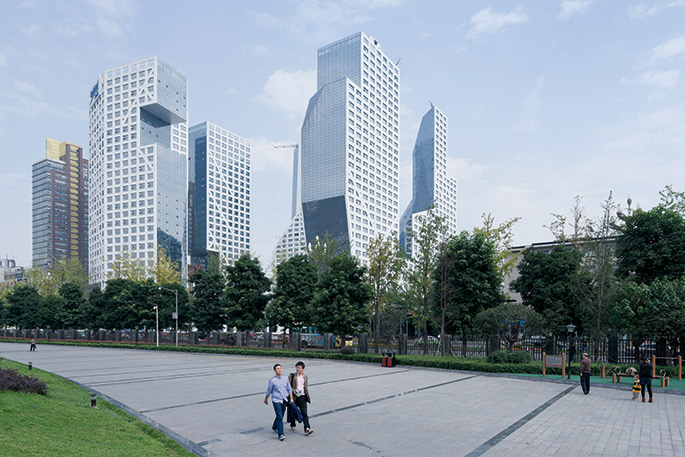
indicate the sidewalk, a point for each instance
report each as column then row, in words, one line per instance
column 213, row 404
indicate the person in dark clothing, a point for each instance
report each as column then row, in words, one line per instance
column 300, row 385
column 646, row 376
column 585, row 371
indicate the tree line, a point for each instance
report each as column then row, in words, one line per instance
column 620, row 274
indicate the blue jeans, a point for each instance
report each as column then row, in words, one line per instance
column 279, row 408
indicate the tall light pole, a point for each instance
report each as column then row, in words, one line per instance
column 570, row 328
column 157, row 323
column 175, row 316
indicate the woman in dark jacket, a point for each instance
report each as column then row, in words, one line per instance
column 646, row 376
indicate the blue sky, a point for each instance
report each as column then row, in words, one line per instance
column 545, row 100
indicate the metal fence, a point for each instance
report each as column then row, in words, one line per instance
column 605, row 350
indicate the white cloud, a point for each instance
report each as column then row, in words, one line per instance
column 670, row 48
column 463, row 169
column 487, row 21
column 289, row 91
column 642, row 10
column 26, row 101
column 664, row 80
column 570, row 8
column 113, row 18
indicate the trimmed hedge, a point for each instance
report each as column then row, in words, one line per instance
column 445, row 362
column 503, row 356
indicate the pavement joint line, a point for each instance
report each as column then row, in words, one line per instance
column 262, row 392
column 492, row 442
column 376, row 400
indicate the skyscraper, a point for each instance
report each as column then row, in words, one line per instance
column 139, row 166
column 218, row 193
column 431, row 187
column 350, row 145
column 293, row 241
column 60, row 205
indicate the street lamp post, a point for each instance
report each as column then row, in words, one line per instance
column 157, row 323
column 570, row 328
column 175, row 316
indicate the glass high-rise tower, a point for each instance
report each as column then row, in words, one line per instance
column 139, row 166
column 60, row 205
column 431, row 187
column 218, row 194
column 349, row 148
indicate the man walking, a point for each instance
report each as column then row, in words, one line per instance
column 279, row 389
column 585, row 373
column 300, row 385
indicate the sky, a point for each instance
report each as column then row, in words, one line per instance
column 545, row 100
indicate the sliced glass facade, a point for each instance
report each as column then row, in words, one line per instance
column 431, row 187
column 138, row 140
column 219, row 193
column 350, row 145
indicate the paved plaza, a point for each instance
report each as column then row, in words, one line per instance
column 214, row 404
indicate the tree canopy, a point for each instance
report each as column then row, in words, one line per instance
column 246, row 296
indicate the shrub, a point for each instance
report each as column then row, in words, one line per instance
column 11, row 380
column 347, row 350
column 519, row 357
column 499, row 356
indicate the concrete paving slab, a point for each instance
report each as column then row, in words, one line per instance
column 213, row 404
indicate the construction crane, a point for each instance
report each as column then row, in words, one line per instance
column 290, row 146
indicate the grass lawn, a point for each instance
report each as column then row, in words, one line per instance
column 62, row 423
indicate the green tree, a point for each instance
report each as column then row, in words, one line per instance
column 546, row 283
column 73, row 304
column 667, row 317
column 48, row 281
column 164, row 297
column 207, row 311
column 630, row 313
column 24, row 307
column 386, row 263
column 340, row 306
column 246, row 293
column 427, row 240
column 501, row 237
column 673, row 200
column 510, row 321
column 466, row 282
column 294, row 292
column 91, row 309
column 322, row 251
column 126, row 304
column 51, row 312
column 126, row 267
column 651, row 245
column 164, row 271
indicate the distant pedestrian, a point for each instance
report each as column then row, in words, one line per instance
column 585, row 373
column 32, row 345
column 300, row 385
column 637, row 388
column 280, row 391
column 646, row 376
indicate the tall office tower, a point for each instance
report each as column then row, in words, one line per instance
column 431, row 187
column 350, row 145
column 139, row 166
column 293, row 241
column 60, row 205
column 218, row 194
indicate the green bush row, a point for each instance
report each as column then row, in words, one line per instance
column 515, row 365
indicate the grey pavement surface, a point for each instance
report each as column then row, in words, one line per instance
column 214, row 404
